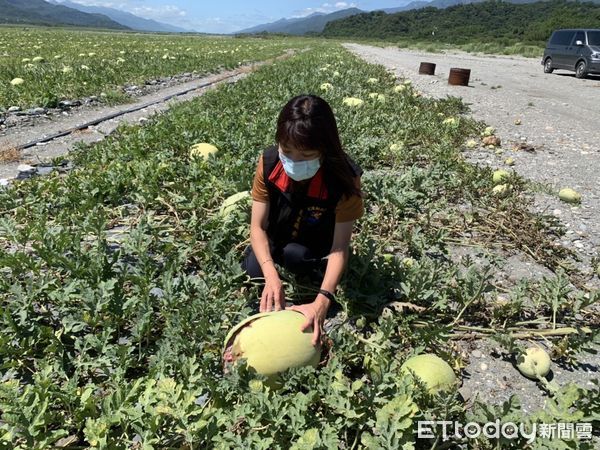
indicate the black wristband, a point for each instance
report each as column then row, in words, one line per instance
column 327, row 294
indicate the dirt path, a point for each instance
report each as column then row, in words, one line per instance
column 43, row 126
column 43, row 152
column 559, row 116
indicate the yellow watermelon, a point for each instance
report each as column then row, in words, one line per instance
column 239, row 200
column 431, row 370
column 271, row 343
column 202, row 150
column 535, row 362
column 569, row 195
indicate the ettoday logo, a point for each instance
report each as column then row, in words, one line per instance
column 507, row 430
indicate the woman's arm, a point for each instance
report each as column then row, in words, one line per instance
column 273, row 294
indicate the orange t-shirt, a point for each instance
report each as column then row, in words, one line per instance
column 347, row 209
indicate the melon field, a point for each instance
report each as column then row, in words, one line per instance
column 58, row 64
column 120, row 278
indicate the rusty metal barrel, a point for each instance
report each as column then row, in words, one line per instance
column 459, row 77
column 427, row 68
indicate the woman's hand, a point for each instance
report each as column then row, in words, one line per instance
column 273, row 295
column 315, row 313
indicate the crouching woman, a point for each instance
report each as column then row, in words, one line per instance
column 306, row 196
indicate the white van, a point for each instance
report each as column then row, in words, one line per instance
column 576, row 50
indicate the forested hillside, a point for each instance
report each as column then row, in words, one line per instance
column 491, row 20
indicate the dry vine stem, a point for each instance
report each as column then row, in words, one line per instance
column 523, row 334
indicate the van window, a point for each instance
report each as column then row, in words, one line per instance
column 579, row 36
column 562, row 38
column 593, row 37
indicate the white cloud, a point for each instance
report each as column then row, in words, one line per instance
column 116, row 5
column 165, row 13
column 325, row 8
column 226, row 24
column 177, row 16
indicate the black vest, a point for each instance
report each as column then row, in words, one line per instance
column 298, row 217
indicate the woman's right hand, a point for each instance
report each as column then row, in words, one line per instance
column 273, row 295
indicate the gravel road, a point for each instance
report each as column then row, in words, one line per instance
column 560, row 118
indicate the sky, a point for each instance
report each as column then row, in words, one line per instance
column 231, row 16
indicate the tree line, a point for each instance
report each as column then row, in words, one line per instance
column 491, row 20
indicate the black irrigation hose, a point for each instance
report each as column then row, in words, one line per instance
column 120, row 113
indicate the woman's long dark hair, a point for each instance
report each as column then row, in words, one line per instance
column 307, row 123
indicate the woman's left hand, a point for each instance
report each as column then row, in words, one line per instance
column 315, row 313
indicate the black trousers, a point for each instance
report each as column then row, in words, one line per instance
column 298, row 259
column 295, row 257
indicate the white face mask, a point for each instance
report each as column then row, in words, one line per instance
column 299, row 170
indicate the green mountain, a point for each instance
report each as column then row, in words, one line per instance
column 124, row 18
column 447, row 3
column 441, row 4
column 484, row 21
column 315, row 23
column 39, row 12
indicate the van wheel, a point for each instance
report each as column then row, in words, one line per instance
column 548, row 66
column 581, row 69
